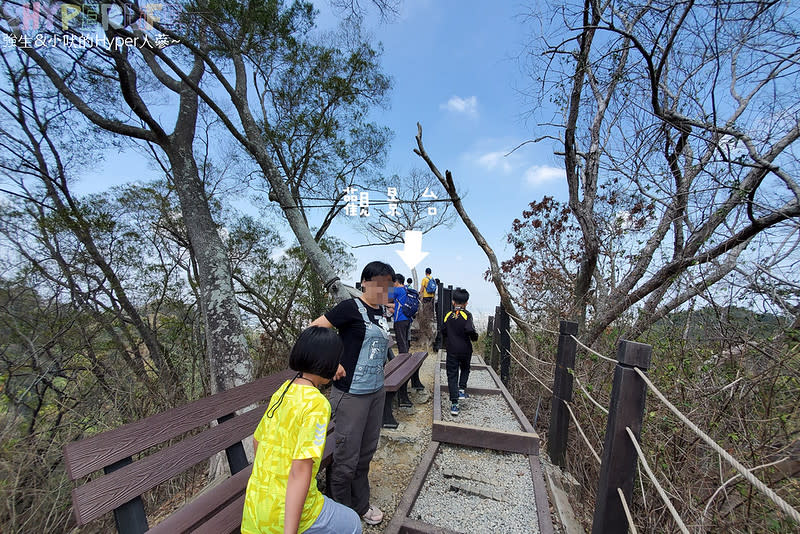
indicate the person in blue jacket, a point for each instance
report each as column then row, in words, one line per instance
column 402, row 324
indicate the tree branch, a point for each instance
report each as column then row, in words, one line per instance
column 449, row 186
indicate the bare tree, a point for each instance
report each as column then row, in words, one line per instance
column 34, row 164
column 342, row 82
column 688, row 111
column 494, row 266
column 387, row 9
column 417, row 208
column 83, row 77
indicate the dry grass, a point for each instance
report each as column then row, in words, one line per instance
column 743, row 393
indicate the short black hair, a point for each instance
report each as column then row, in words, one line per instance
column 376, row 268
column 399, row 278
column 317, row 351
column 428, row 270
column 460, row 296
column 409, row 281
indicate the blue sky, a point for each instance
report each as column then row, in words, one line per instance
column 455, row 69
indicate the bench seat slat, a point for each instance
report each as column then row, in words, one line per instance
column 404, row 371
column 393, row 365
column 106, row 493
column 94, row 453
column 228, row 520
column 205, row 505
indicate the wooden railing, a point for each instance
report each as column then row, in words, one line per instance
column 625, row 413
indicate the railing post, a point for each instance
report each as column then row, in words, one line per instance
column 487, row 355
column 562, row 390
column 619, row 456
column 442, row 306
column 495, row 356
column 505, row 346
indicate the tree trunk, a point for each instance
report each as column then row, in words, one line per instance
column 229, row 360
column 583, row 208
column 251, row 140
column 226, row 346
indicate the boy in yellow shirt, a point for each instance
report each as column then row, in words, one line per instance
column 282, row 495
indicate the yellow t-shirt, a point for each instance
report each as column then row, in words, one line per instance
column 296, row 431
column 424, row 288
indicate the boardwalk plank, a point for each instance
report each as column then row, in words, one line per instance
column 413, row 489
column 475, row 436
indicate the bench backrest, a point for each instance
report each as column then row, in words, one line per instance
column 126, row 479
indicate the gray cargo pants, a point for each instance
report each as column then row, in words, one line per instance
column 357, row 420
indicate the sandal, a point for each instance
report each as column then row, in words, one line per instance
column 373, row 515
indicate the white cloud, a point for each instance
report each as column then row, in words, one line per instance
column 496, row 160
column 278, row 254
column 513, row 163
column 732, row 147
column 541, row 174
column 456, row 104
column 625, row 221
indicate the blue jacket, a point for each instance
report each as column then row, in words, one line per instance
column 400, row 296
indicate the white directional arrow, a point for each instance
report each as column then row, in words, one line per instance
column 412, row 253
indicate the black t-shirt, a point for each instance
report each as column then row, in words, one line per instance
column 348, row 320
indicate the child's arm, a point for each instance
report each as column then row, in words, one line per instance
column 296, row 492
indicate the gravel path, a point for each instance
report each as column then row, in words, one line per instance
column 477, row 379
column 486, row 411
column 503, row 477
column 400, row 450
column 476, row 490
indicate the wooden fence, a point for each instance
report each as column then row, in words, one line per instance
column 626, row 410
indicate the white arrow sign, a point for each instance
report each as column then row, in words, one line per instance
column 412, row 253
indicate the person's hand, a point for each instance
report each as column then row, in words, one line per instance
column 340, row 373
column 390, row 308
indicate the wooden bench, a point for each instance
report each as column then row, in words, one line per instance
column 396, row 375
column 216, row 510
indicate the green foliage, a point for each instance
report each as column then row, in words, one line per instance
column 286, row 296
column 320, row 94
column 257, row 27
column 697, row 323
column 73, row 359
